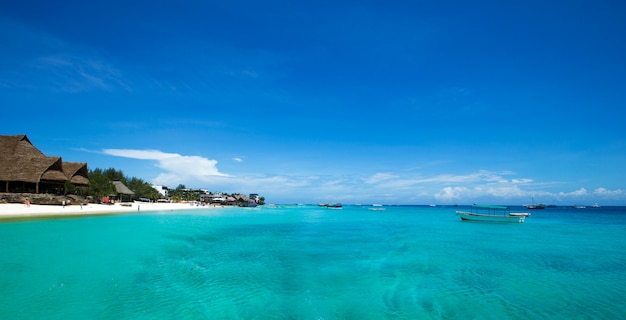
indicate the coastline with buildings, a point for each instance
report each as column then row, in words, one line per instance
column 15, row 211
column 33, row 185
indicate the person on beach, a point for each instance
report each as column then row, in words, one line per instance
column 63, row 203
column 28, row 203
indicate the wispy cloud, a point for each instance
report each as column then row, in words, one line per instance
column 40, row 60
column 379, row 177
column 76, row 73
column 386, row 180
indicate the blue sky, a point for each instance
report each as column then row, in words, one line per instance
column 407, row 102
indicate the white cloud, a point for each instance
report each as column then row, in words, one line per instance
column 612, row 194
column 236, row 159
column 178, row 168
column 578, row 193
column 452, row 193
column 521, row 181
column 462, row 193
column 388, row 187
column 582, row 195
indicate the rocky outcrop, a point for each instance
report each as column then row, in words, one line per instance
column 43, row 198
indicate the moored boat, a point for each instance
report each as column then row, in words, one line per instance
column 535, row 206
column 492, row 214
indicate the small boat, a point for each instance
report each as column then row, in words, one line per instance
column 377, row 207
column 337, row 205
column 492, row 214
column 535, row 206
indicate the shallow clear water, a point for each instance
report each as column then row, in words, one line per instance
column 315, row 263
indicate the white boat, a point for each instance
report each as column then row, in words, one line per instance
column 492, row 214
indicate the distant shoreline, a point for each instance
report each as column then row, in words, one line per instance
column 14, row 211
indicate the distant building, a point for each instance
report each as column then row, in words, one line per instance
column 212, row 198
column 254, row 196
column 23, row 168
column 163, row 190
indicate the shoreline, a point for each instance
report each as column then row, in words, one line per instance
column 17, row 211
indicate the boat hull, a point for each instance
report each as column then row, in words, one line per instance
column 512, row 218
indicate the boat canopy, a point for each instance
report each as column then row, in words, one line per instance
column 480, row 206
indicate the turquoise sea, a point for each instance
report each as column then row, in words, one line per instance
column 309, row 262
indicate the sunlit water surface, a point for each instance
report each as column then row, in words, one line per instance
column 309, row 262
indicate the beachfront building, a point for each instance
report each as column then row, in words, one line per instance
column 164, row 191
column 25, row 169
column 212, row 197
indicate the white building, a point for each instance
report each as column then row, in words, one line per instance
column 163, row 190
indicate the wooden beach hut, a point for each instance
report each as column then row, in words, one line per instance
column 122, row 190
column 25, row 169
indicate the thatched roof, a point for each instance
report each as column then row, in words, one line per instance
column 21, row 161
column 121, row 188
column 241, row 197
column 18, row 146
column 76, row 172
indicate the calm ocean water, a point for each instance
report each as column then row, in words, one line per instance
column 310, row 262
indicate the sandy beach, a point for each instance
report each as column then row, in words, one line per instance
column 13, row 211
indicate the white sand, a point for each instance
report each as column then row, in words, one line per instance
column 12, row 211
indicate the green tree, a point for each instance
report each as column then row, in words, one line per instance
column 99, row 184
column 141, row 188
column 115, row 175
column 69, row 188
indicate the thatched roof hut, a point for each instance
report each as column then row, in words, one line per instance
column 23, row 168
column 122, row 189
